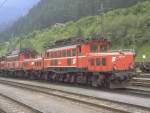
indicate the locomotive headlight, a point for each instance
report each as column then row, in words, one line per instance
column 131, row 66
column 74, row 61
column 144, row 56
column 113, row 59
column 32, row 63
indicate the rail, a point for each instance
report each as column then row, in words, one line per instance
column 19, row 103
column 2, row 111
column 83, row 99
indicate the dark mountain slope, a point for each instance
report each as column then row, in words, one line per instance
column 49, row 12
column 12, row 10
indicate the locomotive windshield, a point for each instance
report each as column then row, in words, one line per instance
column 103, row 48
column 95, row 48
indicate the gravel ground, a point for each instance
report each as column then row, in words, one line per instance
column 131, row 99
column 12, row 107
column 43, row 102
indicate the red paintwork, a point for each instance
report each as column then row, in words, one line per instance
column 117, row 60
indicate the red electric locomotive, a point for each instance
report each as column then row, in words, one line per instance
column 83, row 61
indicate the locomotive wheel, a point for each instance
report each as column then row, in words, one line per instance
column 72, row 80
column 107, row 83
column 42, row 75
column 61, row 78
column 94, row 81
column 31, row 75
column 66, row 77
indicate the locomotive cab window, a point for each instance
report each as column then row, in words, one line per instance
column 69, row 61
column 52, row 54
column 94, row 48
column 79, row 50
column 103, row 61
column 55, row 54
column 98, row 62
column 103, row 48
column 59, row 53
column 48, row 55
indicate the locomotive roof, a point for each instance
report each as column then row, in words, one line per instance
column 13, row 54
column 76, row 41
column 62, row 48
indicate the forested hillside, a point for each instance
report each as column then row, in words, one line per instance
column 49, row 12
column 127, row 28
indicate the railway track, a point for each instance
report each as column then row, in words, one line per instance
column 144, row 82
column 10, row 105
column 2, row 111
column 141, row 84
column 144, row 75
column 136, row 91
column 115, row 106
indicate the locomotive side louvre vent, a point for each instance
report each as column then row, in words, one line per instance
column 92, row 62
column 54, row 62
column 79, row 50
column 64, row 53
column 74, row 52
column 69, row 53
column 69, row 61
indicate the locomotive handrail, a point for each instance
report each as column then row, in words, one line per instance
column 123, row 50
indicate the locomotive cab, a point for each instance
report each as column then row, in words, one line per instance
column 101, row 59
column 114, row 67
column 98, row 56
